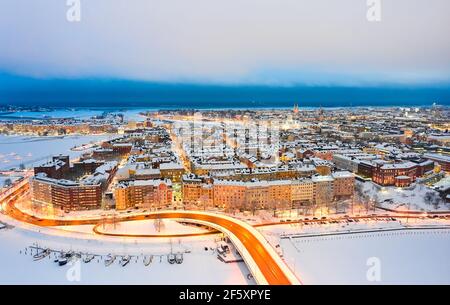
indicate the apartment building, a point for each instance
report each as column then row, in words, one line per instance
column 51, row 185
column 343, row 184
column 149, row 194
column 302, row 192
column 323, row 189
column 197, row 191
column 65, row 195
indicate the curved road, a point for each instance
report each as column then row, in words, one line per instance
column 262, row 260
column 260, row 257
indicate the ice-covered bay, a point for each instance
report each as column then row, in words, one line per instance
column 30, row 150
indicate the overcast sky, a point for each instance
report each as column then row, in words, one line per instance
column 325, row 42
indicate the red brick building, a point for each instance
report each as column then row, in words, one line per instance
column 395, row 174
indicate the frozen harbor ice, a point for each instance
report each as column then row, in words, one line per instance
column 404, row 257
column 32, row 150
column 199, row 266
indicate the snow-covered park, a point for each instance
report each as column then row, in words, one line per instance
column 418, row 197
column 151, row 227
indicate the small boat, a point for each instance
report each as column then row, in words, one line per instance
column 148, row 260
column 171, row 258
column 109, row 259
column 88, row 258
column 62, row 261
column 179, row 258
column 42, row 254
column 125, row 260
column 64, row 258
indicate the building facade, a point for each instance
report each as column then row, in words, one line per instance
column 149, row 194
column 65, row 195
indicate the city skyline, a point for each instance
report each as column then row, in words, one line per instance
column 245, row 144
column 225, row 196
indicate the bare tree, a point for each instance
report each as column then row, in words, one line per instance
column 428, row 197
column 158, row 224
column 7, row 182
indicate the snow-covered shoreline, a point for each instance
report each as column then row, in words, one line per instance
column 199, row 266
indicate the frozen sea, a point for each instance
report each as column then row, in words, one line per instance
column 399, row 257
column 75, row 113
column 31, row 150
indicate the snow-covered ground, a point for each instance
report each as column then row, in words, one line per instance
column 28, row 150
column 151, row 227
column 443, row 182
column 404, row 198
column 5, row 178
column 417, row 256
column 413, row 256
column 199, row 266
column 344, row 226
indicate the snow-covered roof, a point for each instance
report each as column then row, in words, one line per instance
column 170, row 165
column 342, row 174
